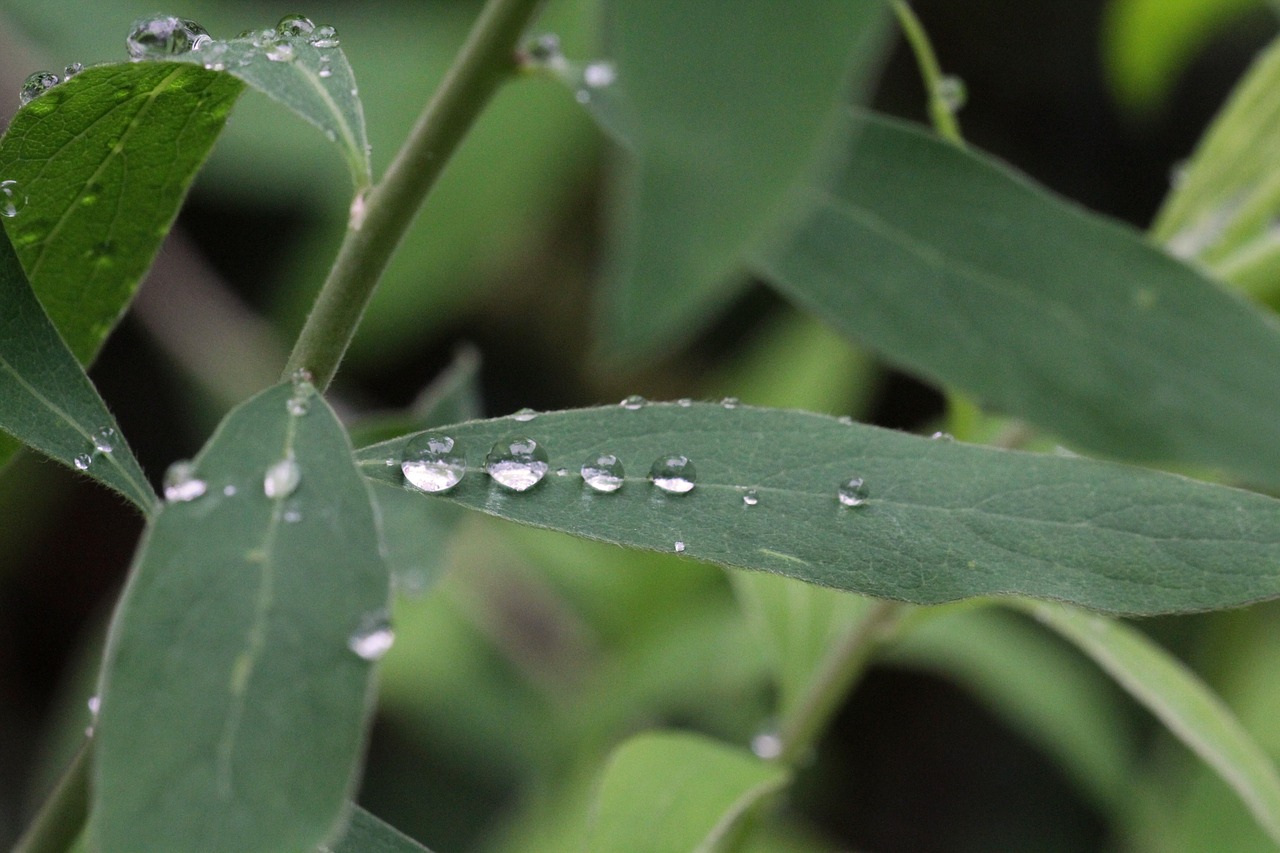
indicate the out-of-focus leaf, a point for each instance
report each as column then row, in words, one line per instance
column 941, row 520
column 246, row 631
column 667, row 792
column 48, row 402
column 968, row 274
column 366, row 834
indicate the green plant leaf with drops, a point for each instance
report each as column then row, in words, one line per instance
column 668, row 792
column 938, row 520
column 47, row 401
column 1186, row 706
column 966, row 273
column 254, row 611
column 723, row 118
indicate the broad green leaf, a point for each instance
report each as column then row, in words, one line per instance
column 366, row 834
column 234, row 702
column 1223, row 206
column 728, row 109
column 1179, row 699
column 669, row 792
column 102, row 163
column 47, row 401
column 943, row 521
column 969, row 275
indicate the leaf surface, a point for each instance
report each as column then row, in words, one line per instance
column 233, row 707
column 47, row 401
column 971, row 276
column 367, row 834
column 944, row 520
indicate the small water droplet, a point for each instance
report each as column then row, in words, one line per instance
column 181, row 483
column 300, row 376
column 36, row 85
column 83, row 461
column 679, row 547
column 72, row 70
column 942, row 436
column 373, row 638
column 229, row 491
column 282, row 478
column 730, row 402
column 104, row 440
column 292, row 515
column 952, row 92
column 562, row 472
column 11, row 199
column 846, row 420
column 433, row 462
column 524, row 415
column 95, row 704
column 295, row 25
column 603, row 473
column 634, row 403
column 852, row 492
column 517, row 463
column 751, row 497
column 325, row 71
column 684, row 402
column 281, row 52
column 597, row 75
column 545, row 50
column 325, row 37
column 161, row 36
column 767, row 745
column 298, row 405
column 673, row 474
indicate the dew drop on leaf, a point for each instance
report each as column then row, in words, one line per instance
column 83, row 461
column 767, row 744
column 751, row 497
column 161, row 36
column 951, row 91
column 679, row 547
column 373, row 638
column 282, row 478
column 104, row 440
column 942, row 436
column 524, row 415
column 36, row 85
column 634, row 403
column 673, row 474
column 11, row 199
column 281, row 52
column 181, row 483
column 684, row 402
column 324, row 38
column 852, row 492
column 517, row 463
column 730, row 402
column 295, row 25
column 597, row 75
column 603, row 473
column 433, row 462
column 72, row 70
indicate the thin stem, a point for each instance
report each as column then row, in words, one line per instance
column 941, row 110
column 61, row 819
column 380, row 218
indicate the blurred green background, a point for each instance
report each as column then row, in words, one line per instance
column 534, row 653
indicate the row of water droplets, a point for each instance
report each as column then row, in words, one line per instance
column 103, row 441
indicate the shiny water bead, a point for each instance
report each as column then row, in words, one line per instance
column 545, row 49
column 12, row 199
column 373, row 638
column 83, row 461
column 72, row 70
column 633, row 403
column 767, row 745
column 730, row 402
column 951, row 91
column 679, row 547
column 942, row 436
column 104, row 440
column 673, row 474
column 181, row 483
column 36, row 85
column 603, row 472
column 281, row 52
column 852, row 492
column 524, row 416
column 162, row 36
column 517, row 463
column 685, row 402
column 751, row 497
column 324, row 38
column 433, row 462
column 295, row 25
column 597, row 75
column 282, row 478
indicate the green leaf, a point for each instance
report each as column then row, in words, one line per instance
column 969, row 275
column 944, row 520
column 366, row 834
column 728, row 109
column 48, row 402
column 668, row 792
column 103, row 162
column 1179, row 699
column 233, row 705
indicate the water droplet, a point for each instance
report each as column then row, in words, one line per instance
column 852, row 492
column 292, row 515
column 545, row 50
column 324, row 38
column 83, row 461
column 229, row 491
column 11, row 199
column 164, row 35
column 751, row 497
column 952, row 92
column 72, row 70
column 104, row 440
column 679, row 547
column 517, row 463
column 36, row 85
column 634, row 403
column 433, row 462
column 301, row 375
column 524, row 415
column 562, row 472
column 767, row 745
column 373, row 638
column 684, row 402
column 282, row 478
column 597, row 75
column 673, row 474
column 846, row 420
column 95, row 704
column 281, row 52
column 325, row 71
column 603, row 473
column 295, row 25
column 181, row 483
column 730, row 402
column 298, row 405
column 942, row 436
column 582, row 96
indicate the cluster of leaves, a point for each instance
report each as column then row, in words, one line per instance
column 238, row 634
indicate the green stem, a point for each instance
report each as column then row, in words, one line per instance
column 380, row 218
column 61, row 819
column 941, row 112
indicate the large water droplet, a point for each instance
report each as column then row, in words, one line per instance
column 181, row 483
column 36, row 85
column 517, row 463
column 852, row 492
column 373, row 638
column 104, row 440
column 673, row 474
column 83, row 461
column 603, row 473
column 11, row 199
column 433, row 462
column 324, row 38
column 295, row 25
column 524, row 416
column 282, row 478
column 751, row 497
column 634, row 403
column 165, row 35
column 281, row 52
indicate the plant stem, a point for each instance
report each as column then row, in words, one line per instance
column 940, row 111
column 839, row 670
column 380, row 218
column 61, row 818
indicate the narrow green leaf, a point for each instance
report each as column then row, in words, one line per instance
column 727, row 110
column 1179, row 699
column 968, row 274
column 47, row 401
column 234, row 703
column 101, row 164
column 366, row 834
column 668, row 792
column 943, row 520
